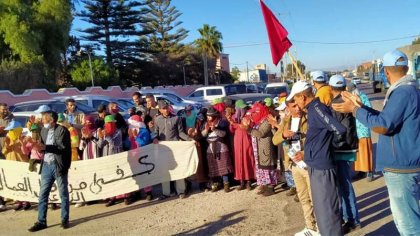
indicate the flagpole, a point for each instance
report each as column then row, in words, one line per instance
column 296, row 66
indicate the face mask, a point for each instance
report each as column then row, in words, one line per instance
column 110, row 128
column 47, row 126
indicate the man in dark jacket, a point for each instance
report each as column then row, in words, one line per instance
column 55, row 142
column 318, row 155
column 344, row 155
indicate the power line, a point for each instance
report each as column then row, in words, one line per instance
column 327, row 43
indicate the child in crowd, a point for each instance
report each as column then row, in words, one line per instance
column 139, row 136
column 13, row 151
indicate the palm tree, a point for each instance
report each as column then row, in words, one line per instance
column 210, row 46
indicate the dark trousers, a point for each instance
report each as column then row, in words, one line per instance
column 326, row 201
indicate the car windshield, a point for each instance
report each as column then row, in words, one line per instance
column 174, row 97
column 276, row 90
column 126, row 103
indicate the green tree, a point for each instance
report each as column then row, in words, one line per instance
column 165, row 43
column 103, row 74
column 34, row 33
column 114, row 25
column 235, row 73
column 210, row 46
column 167, row 34
column 36, row 30
column 416, row 41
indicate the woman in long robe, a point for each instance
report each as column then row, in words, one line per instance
column 242, row 144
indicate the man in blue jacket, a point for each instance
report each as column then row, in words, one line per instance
column 398, row 150
column 318, row 155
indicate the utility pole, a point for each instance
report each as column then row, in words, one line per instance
column 206, row 75
column 247, row 71
column 183, row 69
column 88, row 52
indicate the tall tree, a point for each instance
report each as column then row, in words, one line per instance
column 36, row 30
column 416, row 41
column 210, row 45
column 167, row 34
column 115, row 25
column 33, row 35
column 235, row 73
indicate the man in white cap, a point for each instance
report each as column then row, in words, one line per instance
column 323, row 91
column 398, row 149
column 318, row 156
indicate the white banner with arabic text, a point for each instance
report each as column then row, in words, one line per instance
column 108, row 176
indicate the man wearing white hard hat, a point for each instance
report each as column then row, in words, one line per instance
column 323, row 91
column 318, row 156
column 398, row 149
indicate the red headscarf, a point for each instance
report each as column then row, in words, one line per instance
column 259, row 112
column 220, row 107
column 89, row 123
column 110, row 128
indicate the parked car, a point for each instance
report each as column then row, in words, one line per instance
column 176, row 105
column 57, row 105
column 356, row 80
column 169, row 93
column 274, row 89
column 127, row 102
column 249, row 98
column 207, row 94
column 95, row 101
column 261, row 87
column 23, row 118
column 251, row 88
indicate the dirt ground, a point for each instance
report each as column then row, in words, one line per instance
column 234, row 213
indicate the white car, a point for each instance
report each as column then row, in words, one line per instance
column 207, row 94
column 57, row 105
column 95, row 101
column 356, row 80
column 177, row 106
column 175, row 98
column 274, row 89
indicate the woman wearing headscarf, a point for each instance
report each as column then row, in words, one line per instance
column 364, row 160
column 220, row 164
column 90, row 138
column 12, row 151
column 201, row 175
column 264, row 152
column 242, row 144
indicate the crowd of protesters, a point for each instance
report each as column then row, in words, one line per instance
column 301, row 144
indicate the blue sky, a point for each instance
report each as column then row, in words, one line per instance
column 241, row 23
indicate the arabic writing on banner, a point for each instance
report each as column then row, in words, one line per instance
column 108, row 176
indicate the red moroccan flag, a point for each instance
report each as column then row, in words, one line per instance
column 277, row 34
